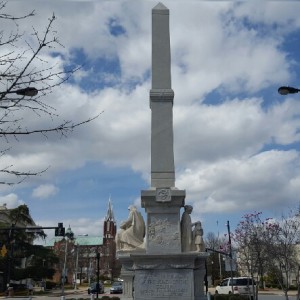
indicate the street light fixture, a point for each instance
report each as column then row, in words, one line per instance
column 29, row 91
column 285, row 90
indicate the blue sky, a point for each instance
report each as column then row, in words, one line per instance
column 236, row 139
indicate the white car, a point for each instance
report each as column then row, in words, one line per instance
column 238, row 285
column 116, row 288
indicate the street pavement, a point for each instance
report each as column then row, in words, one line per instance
column 83, row 294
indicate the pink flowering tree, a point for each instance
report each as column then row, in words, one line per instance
column 283, row 251
column 251, row 247
column 268, row 246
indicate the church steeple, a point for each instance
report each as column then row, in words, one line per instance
column 110, row 227
column 110, row 214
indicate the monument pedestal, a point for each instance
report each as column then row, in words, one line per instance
column 162, row 277
column 162, row 206
column 161, row 270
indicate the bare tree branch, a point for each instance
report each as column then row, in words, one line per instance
column 18, row 71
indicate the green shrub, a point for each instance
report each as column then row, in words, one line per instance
column 50, row 285
column 102, row 298
column 221, row 297
column 238, row 297
column 230, row 297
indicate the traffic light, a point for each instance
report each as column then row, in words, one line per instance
column 60, row 230
column 3, row 251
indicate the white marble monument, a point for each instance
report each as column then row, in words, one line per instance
column 170, row 262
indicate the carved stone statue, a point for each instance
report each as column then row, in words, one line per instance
column 186, row 229
column 132, row 231
column 198, row 242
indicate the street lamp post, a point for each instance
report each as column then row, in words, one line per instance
column 70, row 235
column 76, row 262
column 76, row 267
column 285, row 90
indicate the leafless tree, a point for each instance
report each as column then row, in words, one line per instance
column 215, row 262
column 212, row 241
column 25, row 78
column 250, row 238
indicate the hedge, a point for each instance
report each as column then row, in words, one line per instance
column 230, row 297
column 102, row 298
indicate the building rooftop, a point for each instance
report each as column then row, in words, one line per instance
column 79, row 240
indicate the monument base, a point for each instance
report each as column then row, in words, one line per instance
column 162, row 277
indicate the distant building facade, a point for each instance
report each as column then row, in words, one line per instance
column 10, row 218
column 78, row 256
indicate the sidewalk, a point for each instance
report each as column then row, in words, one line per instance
column 267, row 291
column 55, row 293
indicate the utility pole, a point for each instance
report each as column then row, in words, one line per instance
column 98, row 273
column 230, row 255
column 219, row 254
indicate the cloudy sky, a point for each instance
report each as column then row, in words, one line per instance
column 236, row 139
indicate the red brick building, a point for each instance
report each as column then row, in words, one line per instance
column 78, row 256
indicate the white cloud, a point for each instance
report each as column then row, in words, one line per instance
column 44, row 191
column 271, row 13
column 218, row 148
column 11, row 200
column 263, row 180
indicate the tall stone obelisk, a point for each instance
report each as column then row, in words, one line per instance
column 161, row 271
column 162, row 201
column 161, row 102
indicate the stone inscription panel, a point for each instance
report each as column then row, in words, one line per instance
column 163, row 283
column 163, row 234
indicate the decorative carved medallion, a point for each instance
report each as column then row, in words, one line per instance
column 163, row 195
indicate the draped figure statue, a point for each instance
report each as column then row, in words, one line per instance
column 198, row 242
column 132, row 231
column 186, row 229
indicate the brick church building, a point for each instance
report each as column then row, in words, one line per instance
column 109, row 263
column 78, row 255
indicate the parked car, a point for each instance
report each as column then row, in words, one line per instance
column 18, row 286
column 116, row 288
column 238, row 285
column 93, row 288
